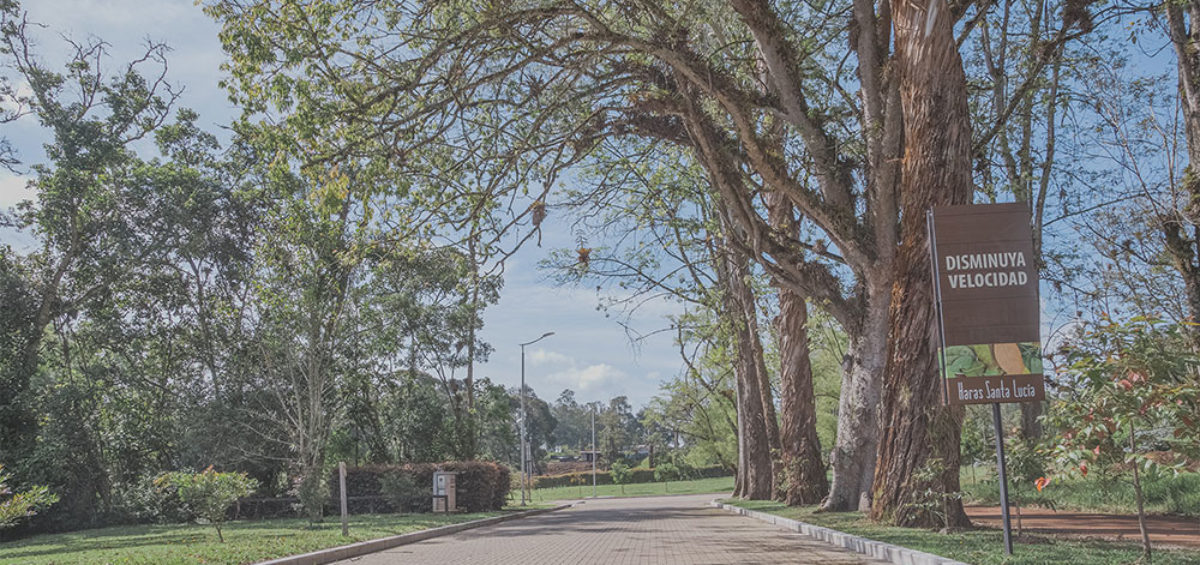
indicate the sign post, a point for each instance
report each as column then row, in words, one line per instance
column 986, row 292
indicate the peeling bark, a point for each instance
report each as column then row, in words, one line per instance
column 800, row 449
column 918, row 431
column 755, row 477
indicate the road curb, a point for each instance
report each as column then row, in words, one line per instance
column 869, row 547
column 323, row 556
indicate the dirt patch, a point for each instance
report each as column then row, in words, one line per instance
column 1164, row 530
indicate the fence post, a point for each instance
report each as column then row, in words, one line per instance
column 342, row 484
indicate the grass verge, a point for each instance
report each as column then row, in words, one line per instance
column 978, row 547
column 1165, row 493
column 698, row 486
column 245, row 541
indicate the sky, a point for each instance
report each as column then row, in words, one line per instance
column 590, row 353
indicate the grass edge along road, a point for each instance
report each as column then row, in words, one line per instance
column 246, row 541
column 977, row 547
column 718, row 485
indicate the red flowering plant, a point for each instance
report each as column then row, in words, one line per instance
column 1127, row 401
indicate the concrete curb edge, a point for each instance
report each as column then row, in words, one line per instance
column 330, row 555
column 871, row 548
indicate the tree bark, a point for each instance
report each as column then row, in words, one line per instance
column 918, row 431
column 800, row 448
column 854, row 452
column 1180, row 228
column 754, row 455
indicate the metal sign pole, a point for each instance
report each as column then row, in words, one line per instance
column 1000, row 466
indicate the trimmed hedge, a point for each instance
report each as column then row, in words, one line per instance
column 481, row 486
column 635, row 476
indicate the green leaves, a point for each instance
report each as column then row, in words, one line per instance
column 1133, row 385
column 14, row 507
column 208, row 494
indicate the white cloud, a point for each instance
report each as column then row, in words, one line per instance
column 14, row 189
column 542, row 357
column 601, row 376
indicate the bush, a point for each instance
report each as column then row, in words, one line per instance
column 481, row 486
column 313, row 494
column 209, row 494
column 621, row 474
column 399, row 488
column 21, row 505
column 666, row 472
column 141, row 501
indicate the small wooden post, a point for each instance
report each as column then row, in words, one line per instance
column 345, row 512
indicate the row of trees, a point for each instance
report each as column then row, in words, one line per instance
column 723, row 152
column 765, row 163
column 189, row 304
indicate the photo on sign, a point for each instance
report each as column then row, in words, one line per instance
column 993, row 359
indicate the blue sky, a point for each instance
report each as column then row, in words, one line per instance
column 589, row 353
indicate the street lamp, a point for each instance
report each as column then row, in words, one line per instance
column 525, row 477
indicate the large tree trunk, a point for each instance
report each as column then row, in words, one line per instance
column 1181, row 228
column 918, row 432
column 753, row 351
column 854, row 452
column 754, row 454
column 800, row 449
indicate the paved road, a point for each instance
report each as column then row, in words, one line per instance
column 658, row 530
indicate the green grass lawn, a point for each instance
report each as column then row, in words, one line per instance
column 245, row 541
column 978, row 547
column 1165, row 493
column 699, row 486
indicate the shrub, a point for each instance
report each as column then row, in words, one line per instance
column 620, row 474
column 481, row 486
column 313, row 493
column 21, row 505
column 1131, row 382
column 208, row 494
column 666, row 472
column 399, row 488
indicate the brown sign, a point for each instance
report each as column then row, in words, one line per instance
column 987, row 293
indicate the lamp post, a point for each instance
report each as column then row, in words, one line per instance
column 525, row 477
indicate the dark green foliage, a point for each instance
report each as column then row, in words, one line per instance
column 18, row 424
column 481, row 486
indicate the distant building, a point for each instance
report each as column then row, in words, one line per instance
column 589, row 456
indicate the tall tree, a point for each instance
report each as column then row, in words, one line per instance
column 80, row 217
column 534, row 87
column 936, row 170
column 800, row 447
column 1180, row 223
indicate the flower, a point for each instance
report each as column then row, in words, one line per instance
column 1041, row 483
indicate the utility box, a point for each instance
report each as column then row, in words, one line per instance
column 445, row 483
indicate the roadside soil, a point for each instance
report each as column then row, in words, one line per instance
column 1164, row 530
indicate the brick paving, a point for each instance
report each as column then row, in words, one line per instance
column 658, row 530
